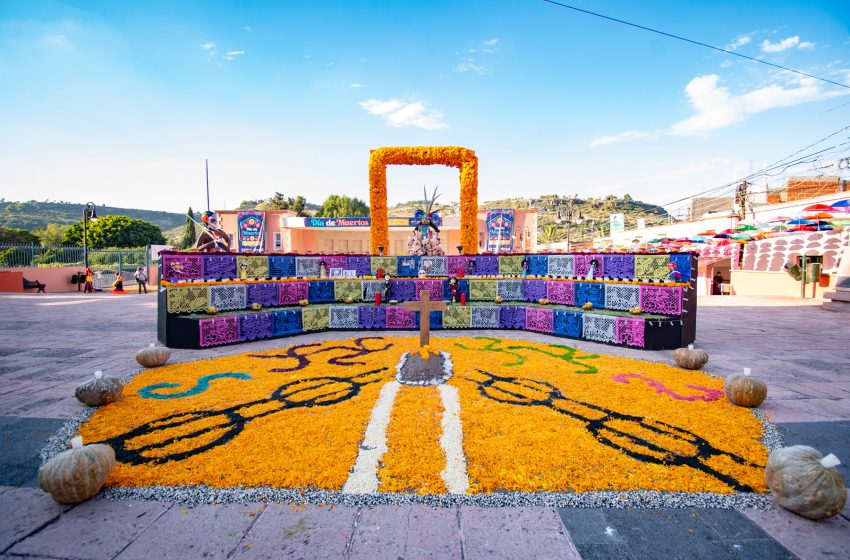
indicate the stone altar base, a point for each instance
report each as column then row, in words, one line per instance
column 413, row 370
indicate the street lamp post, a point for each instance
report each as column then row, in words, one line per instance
column 89, row 213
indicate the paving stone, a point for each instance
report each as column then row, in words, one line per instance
column 826, row 437
column 97, row 529
column 812, row 540
column 518, row 543
column 21, row 439
column 381, row 533
column 200, row 532
column 668, row 533
column 24, row 511
column 433, row 533
column 299, row 532
column 514, row 533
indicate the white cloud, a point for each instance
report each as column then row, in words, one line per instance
column 716, row 107
column 806, row 45
column 356, row 86
column 739, row 42
column 397, row 113
column 783, row 45
column 470, row 65
column 231, row 55
column 475, row 65
column 247, row 28
column 622, row 137
column 208, row 46
column 58, row 40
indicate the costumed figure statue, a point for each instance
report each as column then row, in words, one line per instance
column 425, row 239
column 212, row 238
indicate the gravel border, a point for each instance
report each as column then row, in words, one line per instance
column 202, row 494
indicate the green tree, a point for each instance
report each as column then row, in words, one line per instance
column 552, row 233
column 249, row 204
column 188, row 239
column 298, row 205
column 15, row 235
column 342, row 206
column 116, row 231
column 51, row 234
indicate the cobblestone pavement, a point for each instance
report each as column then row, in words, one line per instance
column 52, row 342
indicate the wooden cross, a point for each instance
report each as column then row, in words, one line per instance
column 424, row 306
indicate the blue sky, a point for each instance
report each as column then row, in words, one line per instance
column 120, row 102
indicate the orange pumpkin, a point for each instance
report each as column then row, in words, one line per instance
column 690, row 358
column 745, row 390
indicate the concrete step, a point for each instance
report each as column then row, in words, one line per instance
column 837, row 296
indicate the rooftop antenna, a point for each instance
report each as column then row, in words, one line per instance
column 207, row 166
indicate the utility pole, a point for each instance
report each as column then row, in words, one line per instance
column 207, row 167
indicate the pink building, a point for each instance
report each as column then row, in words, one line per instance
column 287, row 233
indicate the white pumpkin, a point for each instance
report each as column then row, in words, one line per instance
column 804, row 481
column 77, row 474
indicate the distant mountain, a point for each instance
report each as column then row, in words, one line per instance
column 590, row 216
column 32, row 214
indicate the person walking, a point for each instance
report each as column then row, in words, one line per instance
column 89, row 285
column 141, row 279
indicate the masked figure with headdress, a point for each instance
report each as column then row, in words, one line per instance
column 426, row 238
column 212, row 238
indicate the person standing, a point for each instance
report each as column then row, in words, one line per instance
column 89, row 285
column 141, row 279
column 715, row 284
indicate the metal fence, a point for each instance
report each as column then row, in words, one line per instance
column 33, row 256
column 103, row 262
column 106, row 262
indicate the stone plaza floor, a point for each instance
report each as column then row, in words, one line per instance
column 53, row 342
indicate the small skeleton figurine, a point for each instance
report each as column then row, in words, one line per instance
column 454, row 287
column 386, row 289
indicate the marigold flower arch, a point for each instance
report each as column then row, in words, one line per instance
column 452, row 156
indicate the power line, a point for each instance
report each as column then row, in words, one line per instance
column 706, row 45
column 771, row 167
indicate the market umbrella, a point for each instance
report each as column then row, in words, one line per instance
column 780, row 227
column 800, row 222
column 722, row 236
column 842, row 206
column 819, row 216
column 730, row 231
column 745, row 227
column 707, row 233
column 817, row 208
column 780, row 219
column 697, row 239
column 741, row 237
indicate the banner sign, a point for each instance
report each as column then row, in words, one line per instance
column 397, row 221
column 366, row 222
column 500, row 231
column 250, row 225
column 337, row 222
column 618, row 222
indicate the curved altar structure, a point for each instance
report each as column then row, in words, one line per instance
column 259, row 296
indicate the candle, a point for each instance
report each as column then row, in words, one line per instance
column 377, row 298
column 463, row 298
